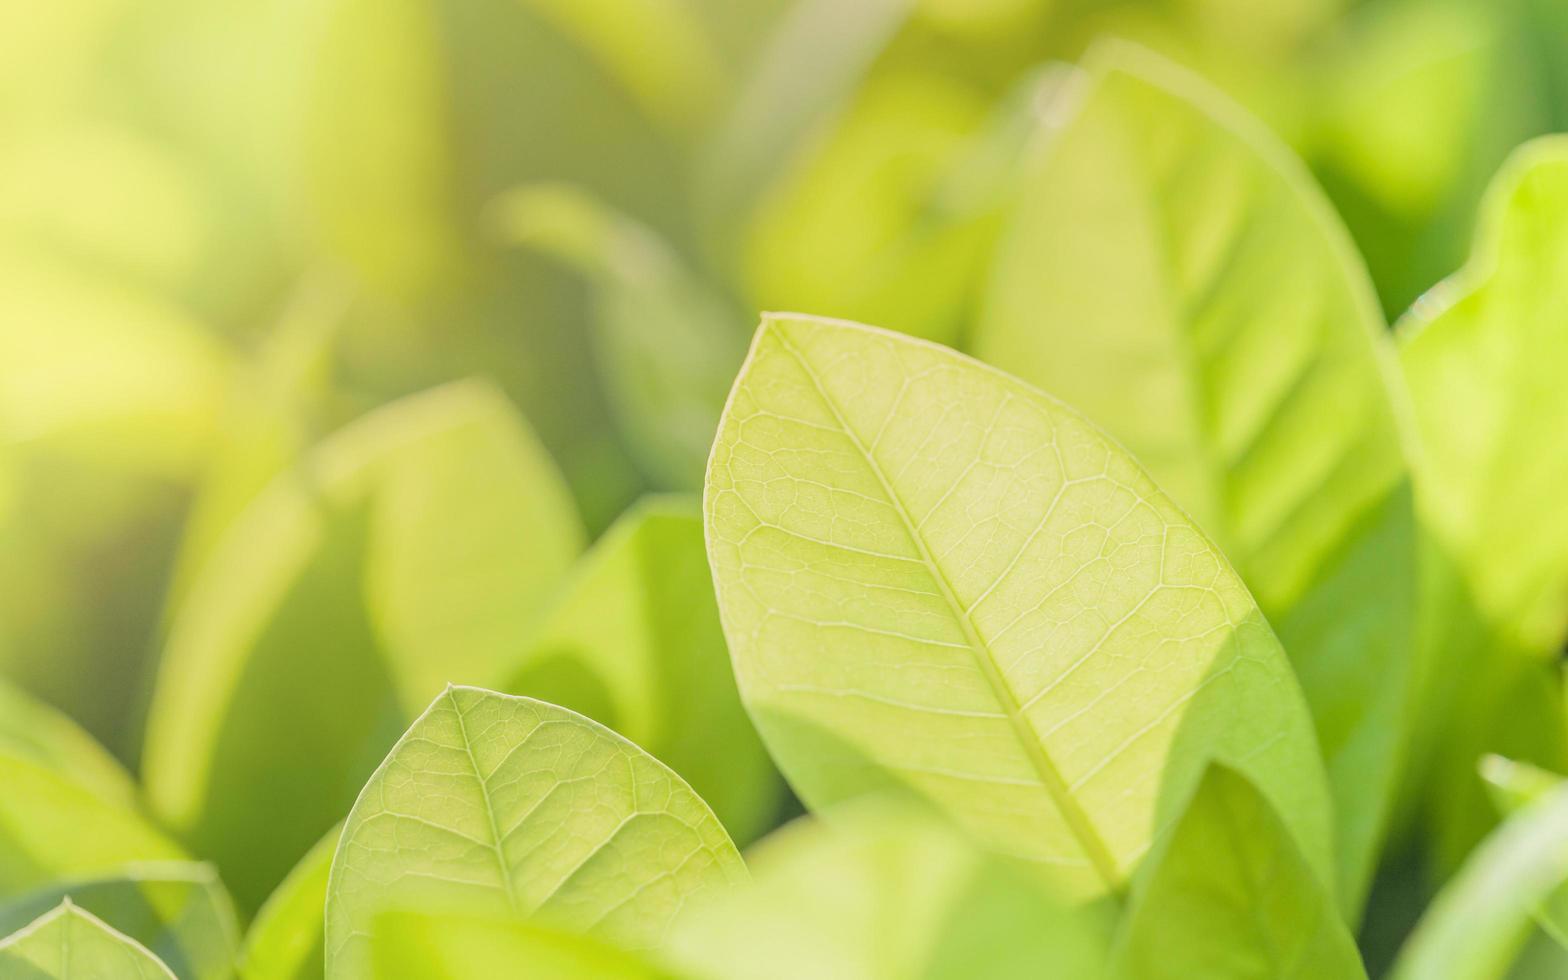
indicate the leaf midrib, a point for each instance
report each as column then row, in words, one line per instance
column 484, row 796
column 1050, row 777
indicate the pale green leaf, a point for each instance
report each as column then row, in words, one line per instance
column 1175, row 275
column 1514, row 787
column 887, row 893
column 507, row 806
column 934, row 577
column 1230, row 896
column 413, row 548
column 285, row 941
column 633, row 641
column 1480, row 354
column 666, row 344
column 177, row 910
column 413, row 946
column 54, row 829
column 1482, row 918
column 31, row 731
column 71, row 944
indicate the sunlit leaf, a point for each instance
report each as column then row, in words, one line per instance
column 1174, row 274
column 285, row 940
column 71, row 944
column 508, row 806
column 633, row 641
column 411, row 946
column 178, row 911
column 885, row 893
column 411, row 549
column 934, row 577
column 1230, row 895
column 33, row 732
column 1480, row 354
column 1481, row 919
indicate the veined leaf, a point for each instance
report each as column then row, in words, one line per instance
column 412, row 946
column 413, row 548
column 508, row 806
column 1479, row 922
column 936, row 578
column 177, row 910
column 71, row 944
column 666, row 344
column 1229, row 895
column 887, row 893
column 633, row 641
column 285, row 941
column 1175, row 275
column 1479, row 354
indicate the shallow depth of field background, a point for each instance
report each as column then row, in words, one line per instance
column 227, row 227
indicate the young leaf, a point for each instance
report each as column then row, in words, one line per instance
column 887, row 893
column 285, row 941
column 1173, row 273
column 633, row 641
column 1479, row 922
column 934, row 577
column 1480, row 354
column 414, row 547
column 1230, row 895
column 71, row 944
column 666, row 344
column 177, row 910
column 508, row 806
column 413, row 946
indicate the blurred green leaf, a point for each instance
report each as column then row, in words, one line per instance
column 1173, row 272
column 500, row 805
column 71, row 944
column 413, row 946
column 1480, row 921
column 285, row 942
column 178, row 911
column 1229, row 894
column 633, row 641
column 879, row 892
column 1481, row 354
column 32, row 732
column 667, row 345
column 1072, row 651
column 413, row 548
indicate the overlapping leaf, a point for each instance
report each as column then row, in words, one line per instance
column 1174, row 274
column 512, row 807
column 934, row 577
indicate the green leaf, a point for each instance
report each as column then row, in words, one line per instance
column 54, row 829
column 1479, row 354
column 507, row 806
column 1172, row 272
column 31, row 731
column 1514, row 787
column 71, row 944
column 1230, row 895
column 413, row 548
column 882, row 892
column 178, row 911
column 633, row 641
column 285, row 941
column 1481, row 919
column 413, row 946
column 936, row 578
column 666, row 344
